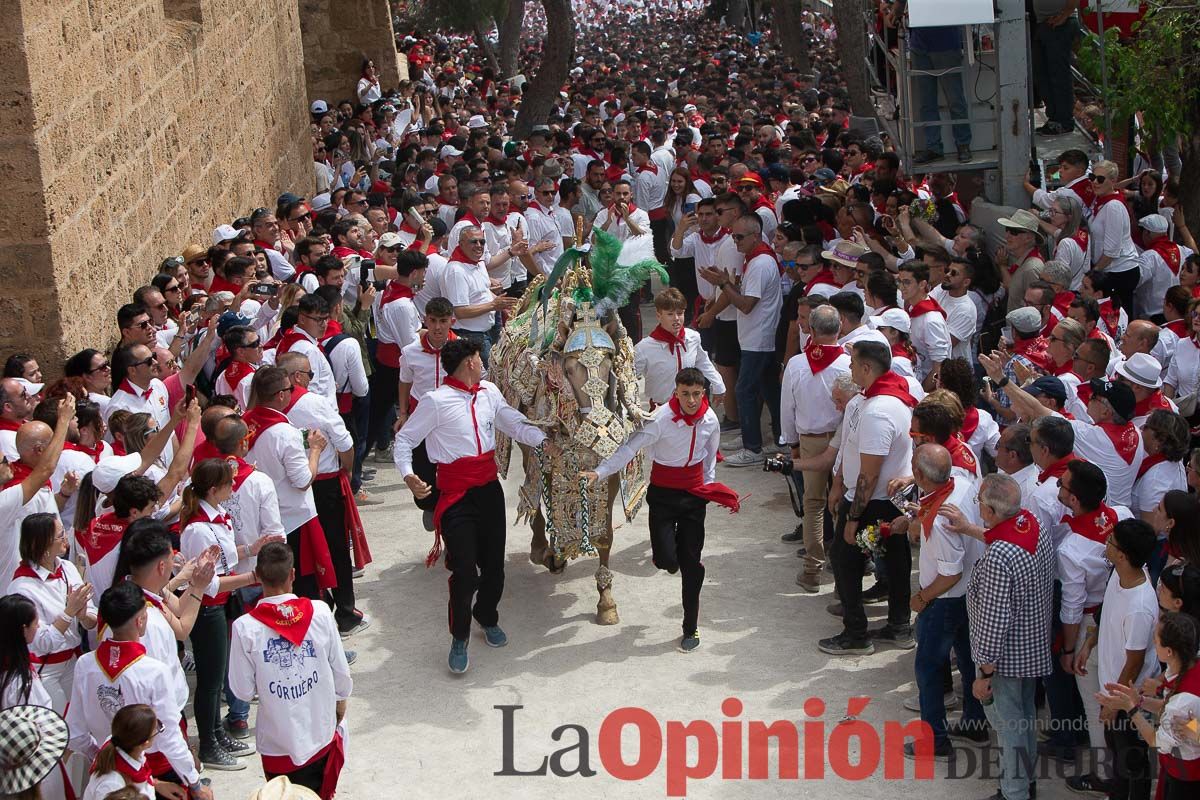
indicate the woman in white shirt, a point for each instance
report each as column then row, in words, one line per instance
column 1071, row 241
column 121, row 761
column 368, row 87
column 680, row 192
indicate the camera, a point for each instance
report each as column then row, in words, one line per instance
column 366, row 271
column 265, row 289
column 780, row 462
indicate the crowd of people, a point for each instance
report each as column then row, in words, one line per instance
column 1017, row 421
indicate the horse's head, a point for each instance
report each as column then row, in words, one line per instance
column 587, row 350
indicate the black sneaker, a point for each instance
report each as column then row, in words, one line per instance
column 215, row 757
column 973, row 732
column 964, row 153
column 360, row 625
column 942, row 752
column 896, row 635
column 844, row 645
column 795, row 536
column 1089, row 783
column 689, row 642
column 801, row 551
column 876, row 594
column 237, row 728
column 233, row 746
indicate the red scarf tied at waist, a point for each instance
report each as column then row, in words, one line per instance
column 690, row 478
column 336, row 750
column 454, row 480
column 356, row 534
column 889, row 384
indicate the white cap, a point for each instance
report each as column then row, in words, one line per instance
column 689, row 109
column 893, row 318
column 1143, row 369
column 449, row 150
column 1153, row 223
column 223, row 233
column 110, row 470
column 321, row 201
column 477, row 121
column 389, row 239
column 319, row 107
column 31, row 388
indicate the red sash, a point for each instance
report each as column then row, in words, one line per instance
column 259, row 420
column 336, row 752
column 820, row 356
column 1169, row 252
column 356, row 535
column 290, row 619
column 1095, row 526
column 924, row 307
column 1154, row 402
column 102, row 535
column 114, row 657
column 1124, row 439
column 454, row 480
column 314, row 554
column 930, row 504
column 890, row 384
column 676, row 344
column 691, row 480
column 1021, row 530
column 1056, row 469
column 970, row 422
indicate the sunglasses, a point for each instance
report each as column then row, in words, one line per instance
column 309, row 373
column 737, row 237
column 174, row 288
column 145, row 362
column 251, row 345
column 303, row 217
column 102, row 368
column 473, row 241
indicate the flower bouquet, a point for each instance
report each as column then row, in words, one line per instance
column 925, row 210
column 872, row 538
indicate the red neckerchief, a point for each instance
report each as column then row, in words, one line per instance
column 549, row 213
column 660, row 334
column 889, row 384
column 153, row 599
column 436, row 353
column 1062, row 303
column 428, row 249
column 237, row 371
column 26, row 571
column 763, row 202
column 219, row 284
column 242, row 470
column 1084, row 392
column 1101, row 200
column 1170, row 253
column 121, row 764
column 102, row 535
column 930, row 504
column 1124, row 439
column 264, row 245
column 461, row 257
column 1148, row 462
column 1110, row 314
column 1063, row 368
column 298, row 391
column 650, row 167
column 94, row 452
column 471, row 219
column 961, row 456
column 9, row 425
column 332, row 328
column 452, row 202
column 760, row 249
column 1178, row 327
column 499, row 222
column 394, row 291
column 1093, row 525
column 1081, row 238
column 202, row 516
column 677, row 412
column 1015, row 265
column 1035, row 351
column 924, row 307
column 260, row 419
column 1085, row 190
column 20, row 471
column 126, row 386
column 294, row 335
column 716, row 237
column 820, row 356
column 290, row 619
column 406, row 227
column 970, row 422
column 1056, row 469
column 114, row 657
column 1021, row 530
column 1154, row 402
column 341, row 251
column 824, row 276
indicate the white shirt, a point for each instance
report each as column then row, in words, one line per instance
column 349, row 373
column 398, row 321
column 423, row 371
column 619, row 228
column 499, row 237
column 313, row 412
column 156, row 404
column 38, row 696
column 241, row 392
column 456, row 232
column 541, row 226
column 1127, row 623
column 876, row 426
column 200, row 534
column 451, row 429
column 298, row 686
column 670, row 443
column 1082, row 570
column 79, row 463
column 1070, row 253
column 756, row 329
column 654, row 361
column 863, row 333
column 931, row 339
column 279, row 452
column 1092, row 444
column 960, row 320
column 806, row 400
column 1026, row 478
column 722, row 252
column 985, row 437
column 946, row 552
column 100, row 786
column 12, row 514
column 1184, row 371
column 1156, row 279
column 650, row 187
column 468, row 285
column 322, row 380
column 1110, row 237
column 253, row 509
column 161, row 644
column 1158, row 480
column 49, row 596
column 434, row 275
column 95, row 700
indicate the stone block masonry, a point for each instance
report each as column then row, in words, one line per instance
column 129, row 128
column 338, row 35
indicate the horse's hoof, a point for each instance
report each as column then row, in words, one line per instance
column 537, row 555
column 607, row 616
column 555, row 565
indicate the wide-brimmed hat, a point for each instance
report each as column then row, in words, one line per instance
column 194, row 252
column 32, row 740
column 846, row 253
column 280, row 788
column 1022, row 220
column 1142, row 369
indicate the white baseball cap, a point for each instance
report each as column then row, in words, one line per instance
column 893, row 318
column 319, row 107
column 223, row 233
column 477, row 121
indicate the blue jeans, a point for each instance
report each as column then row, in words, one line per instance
column 1013, row 716
column 358, row 422
column 481, row 338
column 952, row 87
column 942, row 627
column 240, row 709
column 753, row 386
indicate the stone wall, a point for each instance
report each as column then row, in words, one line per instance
column 129, row 128
column 337, row 35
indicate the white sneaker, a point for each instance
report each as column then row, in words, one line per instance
column 744, row 458
column 914, row 703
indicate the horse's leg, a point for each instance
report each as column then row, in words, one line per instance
column 606, row 608
column 539, row 547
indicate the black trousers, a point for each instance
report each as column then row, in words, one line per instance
column 426, row 470
column 304, row 585
column 677, row 542
column 848, row 561
column 473, row 534
column 1176, row 789
column 385, row 390
column 310, row 776
column 210, row 646
column 331, row 513
column 1131, row 760
column 1122, row 286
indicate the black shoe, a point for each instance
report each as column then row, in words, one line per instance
column 1089, row 783
column 895, row 635
column 1054, row 129
column 942, row 752
column 876, row 594
column 844, row 645
column 795, row 536
column 973, row 732
column 926, row 156
column 1057, row 752
column 233, row 746
column 215, row 757
column 964, row 153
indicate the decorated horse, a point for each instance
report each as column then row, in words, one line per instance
column 566, row 361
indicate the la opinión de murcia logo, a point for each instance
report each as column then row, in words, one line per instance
column 731, row 749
